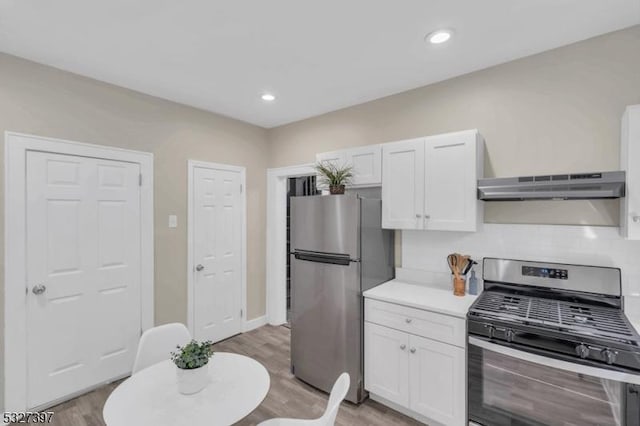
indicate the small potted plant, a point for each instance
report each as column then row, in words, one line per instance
column 192, row 362
column 334, row 176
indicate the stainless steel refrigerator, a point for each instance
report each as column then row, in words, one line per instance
column 339, row 250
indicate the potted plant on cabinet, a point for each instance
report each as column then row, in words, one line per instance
column 192, row 362
column 334, row 176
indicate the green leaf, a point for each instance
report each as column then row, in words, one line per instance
column 333, row 175
column 192, row 355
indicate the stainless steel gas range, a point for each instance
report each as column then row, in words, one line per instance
column 549, row 344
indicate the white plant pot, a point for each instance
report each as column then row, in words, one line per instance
column 192, row 381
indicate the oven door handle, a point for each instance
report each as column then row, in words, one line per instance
column 600, row 373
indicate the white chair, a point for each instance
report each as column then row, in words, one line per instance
column 338, row 392
column 157, row 343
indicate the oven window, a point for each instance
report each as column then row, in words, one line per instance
column 507, row 391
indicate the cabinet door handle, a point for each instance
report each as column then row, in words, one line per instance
column 427, row 216
column 418, row 215
column 636, row 218
column 408, row 320
column 412, row 350
column 403, row 346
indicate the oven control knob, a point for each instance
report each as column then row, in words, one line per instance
column 582, row 350
column 609, row 355
column 490, row 329
column 510, row 335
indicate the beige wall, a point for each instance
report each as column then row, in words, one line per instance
column 43, row 101
column 557, row 111
column 554, row 112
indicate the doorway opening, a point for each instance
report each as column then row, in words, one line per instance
column 300, row 186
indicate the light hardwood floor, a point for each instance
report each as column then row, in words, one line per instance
column 287, row 397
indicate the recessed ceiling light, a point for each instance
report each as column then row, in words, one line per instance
column 268, row 97
column 439, row 36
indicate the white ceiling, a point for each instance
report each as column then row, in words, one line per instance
column 315, row 56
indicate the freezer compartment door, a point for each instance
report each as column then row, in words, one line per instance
column 326, row 224
column 326, row 324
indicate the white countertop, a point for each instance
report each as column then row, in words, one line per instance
column 422, row 297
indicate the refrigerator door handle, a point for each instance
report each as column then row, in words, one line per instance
column 332, row 258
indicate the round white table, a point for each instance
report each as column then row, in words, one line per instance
column 238, row 384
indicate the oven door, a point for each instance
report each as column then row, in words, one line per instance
column 512, row 387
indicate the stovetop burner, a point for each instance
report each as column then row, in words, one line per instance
column 565, row 316
column 561, row 310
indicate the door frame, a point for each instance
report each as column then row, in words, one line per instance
column 276, row 285
column 191, row 165
column 15, row 313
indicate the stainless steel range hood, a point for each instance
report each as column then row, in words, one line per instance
column 578, row 186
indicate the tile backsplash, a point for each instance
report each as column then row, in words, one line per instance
column 588, row 245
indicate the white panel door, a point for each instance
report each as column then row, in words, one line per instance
column 217, row 253
column 367, row 165
column 437, row 383
column 386, row 364
column 403, row 184
column 450, row 202
column 83, row 273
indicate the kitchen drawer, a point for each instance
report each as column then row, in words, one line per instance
column 443, row 328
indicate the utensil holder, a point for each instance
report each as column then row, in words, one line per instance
column 458, row 286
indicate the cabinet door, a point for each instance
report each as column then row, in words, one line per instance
column 630, row 163
column 386, row 364
column 403, row 184
column 367, row 165
column 451, row 173
column 437, row 383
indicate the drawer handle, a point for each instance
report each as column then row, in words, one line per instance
column 412, row 350
column 403, row 346
column 408, row 320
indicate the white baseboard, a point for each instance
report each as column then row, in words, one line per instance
column 252, row 324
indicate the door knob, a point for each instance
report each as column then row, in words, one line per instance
column 636, row 218
column 412, row 350
column 199, row 267
column 403, row 346
column 39, row 289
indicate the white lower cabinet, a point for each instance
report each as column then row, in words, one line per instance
column 386, row 363
column 437, row 380
column 423, row 377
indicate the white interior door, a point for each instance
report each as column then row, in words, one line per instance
column 217, row 215
column 83, row 273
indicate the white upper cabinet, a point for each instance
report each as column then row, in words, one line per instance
column 337, row 157
column 452, row 169
column 430, row 183
column 367, row 165
column 630, row 163
column 366, row 162
column 403, row 184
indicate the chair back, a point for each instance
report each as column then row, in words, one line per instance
column 157, row 343
column 338, row 392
